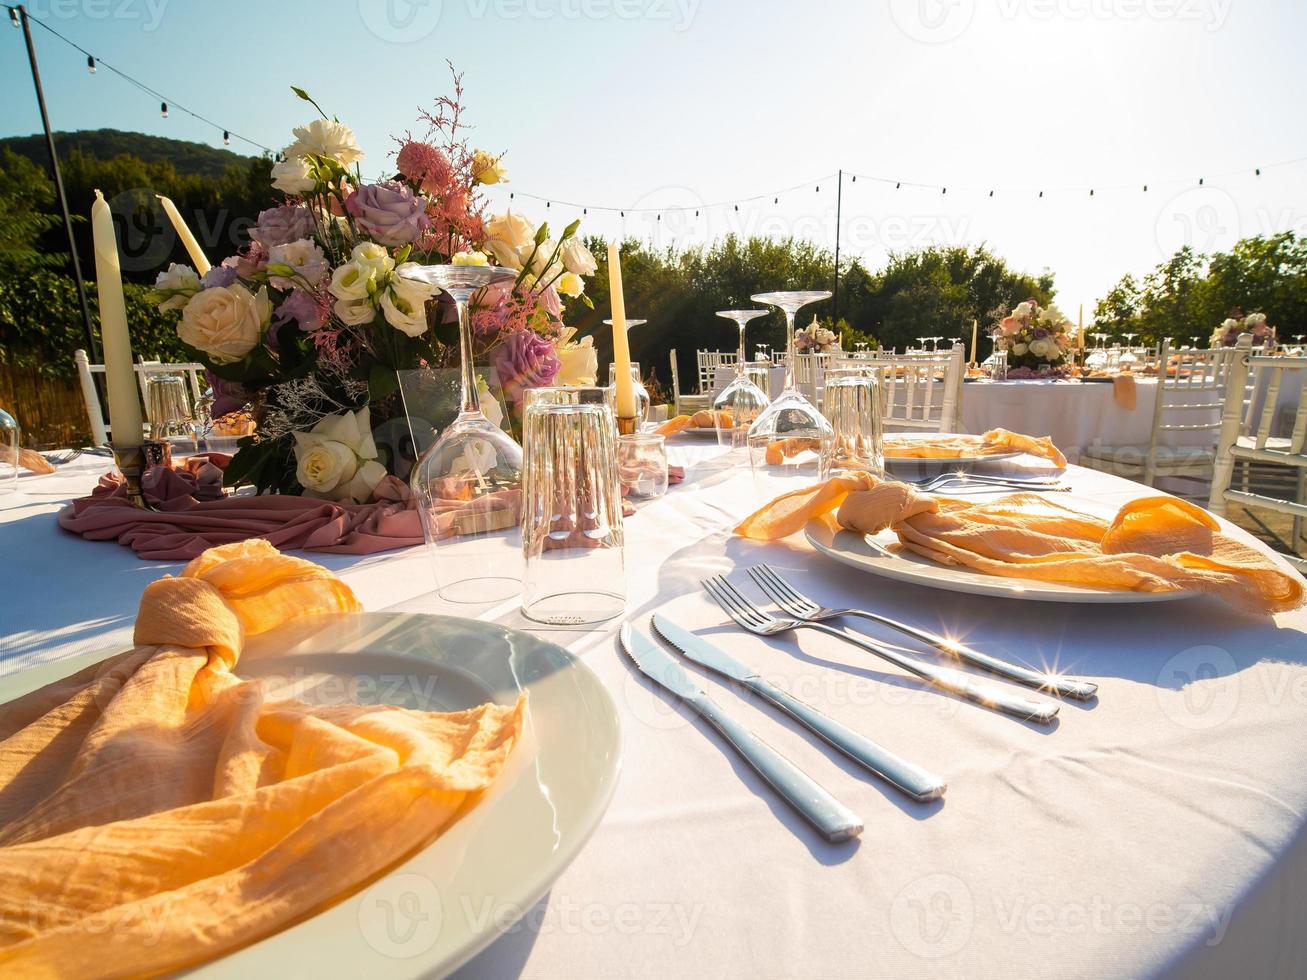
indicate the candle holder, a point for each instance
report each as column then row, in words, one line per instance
column 133, row 461
column 628, row 426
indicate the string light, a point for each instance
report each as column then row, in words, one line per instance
column 90, row 63
column 163, row 109
column 13, row 16
column 226, row 138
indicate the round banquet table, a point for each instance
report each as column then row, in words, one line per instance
column 1155, row 831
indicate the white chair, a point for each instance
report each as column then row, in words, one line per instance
column 686, row 404
column 1246, row 438
column 1188, row 401
column 708, row 362
column 809, row 371
column 86, row 371
column 921, row 392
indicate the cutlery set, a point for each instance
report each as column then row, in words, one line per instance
column 833, row 820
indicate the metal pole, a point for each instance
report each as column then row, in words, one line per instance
column 91, row 344
column 839, row 194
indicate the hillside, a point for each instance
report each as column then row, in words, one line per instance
column 104, row 144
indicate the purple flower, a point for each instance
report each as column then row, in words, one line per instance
column 249, row 261
column 228, row 396
column 389, row 213
column 282, row 225
column 219, row 275
column 524, row 360
column 302, row 308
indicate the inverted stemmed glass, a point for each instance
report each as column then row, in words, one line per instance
column 742, row 400
column 469, row 481
column 790, row 432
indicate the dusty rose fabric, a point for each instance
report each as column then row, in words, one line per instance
column 194, row 515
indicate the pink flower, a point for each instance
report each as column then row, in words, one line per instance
column 1010, row 325
column 425, row 165
column 525, row 360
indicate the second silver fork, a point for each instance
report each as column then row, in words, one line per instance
column 755, row 620
column 799, row 606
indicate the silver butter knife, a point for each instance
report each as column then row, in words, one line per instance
column 908, row 777
column 832, row 819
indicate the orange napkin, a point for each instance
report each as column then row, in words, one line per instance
column 157, row 811
column 703, row 419
column 1124, row 392
column 673, row 426
column 28, row 459
column 1155, row 544
column 991, row 443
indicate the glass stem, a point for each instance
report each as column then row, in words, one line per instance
column 471, row 401
column 739, row 361
column 789, row 350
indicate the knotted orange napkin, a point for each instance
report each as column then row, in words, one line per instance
column 157, row 811
column 1154, row 544
column 704, row 419
column 1124, row 392
column 993, row 442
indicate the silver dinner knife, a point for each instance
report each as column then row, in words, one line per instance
column 832, row 819
column 908, row 777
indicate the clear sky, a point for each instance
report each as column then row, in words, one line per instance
column 648, row 103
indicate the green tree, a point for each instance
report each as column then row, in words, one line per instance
column 27, row 202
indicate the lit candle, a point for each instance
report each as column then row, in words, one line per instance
column 621, row 350
column 973, row 342
column 120, row 375
column 184, row 233
column 1080, row 327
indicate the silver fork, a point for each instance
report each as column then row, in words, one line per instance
column 800, row 606
column 980, row 479
column 59, row 457
column 753, row 619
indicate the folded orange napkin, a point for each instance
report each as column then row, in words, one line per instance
column 993, row 442
column 1124, row 392
column 1154, row 544
column 27, row 459
column 703, row 419
column 157, row 811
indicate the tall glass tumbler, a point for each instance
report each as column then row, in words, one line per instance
column 572, row 537
column 852, row 403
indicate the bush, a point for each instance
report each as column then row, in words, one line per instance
column 41, row 322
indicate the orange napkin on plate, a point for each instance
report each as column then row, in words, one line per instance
column 157, row 811
column 1154, row 544
column 703, row 419
column 993, row 442
column 1124, row 392
column 27, row 459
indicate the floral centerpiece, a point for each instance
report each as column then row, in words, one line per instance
column 308, row 323
column 1037, row 340
column 815, row 339
column 1236, row 324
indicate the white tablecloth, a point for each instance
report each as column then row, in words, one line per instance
column 1156, row 831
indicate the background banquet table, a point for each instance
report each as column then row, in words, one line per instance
column 1158, row 830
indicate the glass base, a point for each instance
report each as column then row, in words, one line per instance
column 575, row 608
column 480, row 591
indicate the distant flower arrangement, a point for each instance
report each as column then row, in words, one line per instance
column 1228, row 333
column 815, row 339
column 1037, row 340
column 310, row 320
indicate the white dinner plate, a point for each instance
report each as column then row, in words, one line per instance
column 939, row 462
column 880, row 554
column 442, row 905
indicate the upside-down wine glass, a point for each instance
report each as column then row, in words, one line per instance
column 790, row 433
column 470, row 481
column 742, row 400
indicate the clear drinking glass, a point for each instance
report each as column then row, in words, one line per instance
column 996, row 365
column 852, row 402
column 9, row 447
column 743, row 400
column 572, row 537
column 642, row 465
column 642, row 399
column 469, row 482
column 168, row 407
column 759, row 372
column 787, row 437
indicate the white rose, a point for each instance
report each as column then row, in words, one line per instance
column 505, row 254
column 1022, row 310
column 350, row 281
column 302, row 257
column 174, row 287
column 226, row 322
column 372, row 256
column 570, row 284
column 1019, row 349
column 1039, row 348
column 355, row 312
column 405, row 302
column 325, row 138
column 293, row 176
column 486, row 168
column 1230, row 324
column 470, row 258
column 578, row 364
column 577, row 258
column 489, row 403
column 511, row 229
column 337, row 458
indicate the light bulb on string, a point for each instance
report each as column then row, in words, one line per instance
column 898, row 184
column 13, row 16
column 1258, row 172
column 991, row 193
column 163, row 109
column 1091, row 192
column 1200, row 181
column 226, row 138
column 1041, row 194
column 90, row 63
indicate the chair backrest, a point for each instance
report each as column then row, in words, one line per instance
column 1249, row 427
column 921, row 392
column 86, row 371
column 708, row 361
column 676, row 385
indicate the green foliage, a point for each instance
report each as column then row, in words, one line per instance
column 41, row 323
column 1186, row 297
column 105, row 144
column 26, row 201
